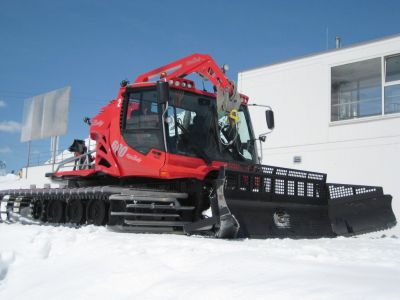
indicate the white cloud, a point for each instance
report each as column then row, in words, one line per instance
column 5, row 150
column 10, row 126
column 3, row 103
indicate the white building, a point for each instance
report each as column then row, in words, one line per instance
column 336, row 112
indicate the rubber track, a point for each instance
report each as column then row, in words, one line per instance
column 85, row 194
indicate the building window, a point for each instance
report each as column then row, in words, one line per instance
column 392, row 84
column 356, row 90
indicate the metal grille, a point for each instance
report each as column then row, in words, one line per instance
column 290, row 188
column 279, row 181
column 279, row 186
column 267, row 185
column 310, row 189
column 300, row 188
column 337, row 191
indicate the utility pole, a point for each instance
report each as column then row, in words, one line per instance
column 54, row 146
column 28, row 161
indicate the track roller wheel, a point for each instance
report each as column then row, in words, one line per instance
column 10, row 208
column 116, row 206
column 75, row 212
column 39, row 210
column 56, row 211
column 96, row 212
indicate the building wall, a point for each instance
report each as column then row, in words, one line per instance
column 360, row 151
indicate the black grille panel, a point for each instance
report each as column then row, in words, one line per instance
column 337, row 191
column 278, row 181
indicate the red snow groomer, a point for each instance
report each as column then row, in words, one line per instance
column 166, row 152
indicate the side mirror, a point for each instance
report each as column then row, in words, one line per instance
column 269, row 116
column 162, row 92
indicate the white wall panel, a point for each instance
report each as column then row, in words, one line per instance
column 362, row 151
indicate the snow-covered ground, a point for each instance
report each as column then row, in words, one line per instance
column 45, row 262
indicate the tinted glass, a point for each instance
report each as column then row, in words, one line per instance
column 193, row 127
column 142, row 111
column 236, row 139
column 142, row 129
column 356, row 90
column 393, row 68
column 392, row 99
column 189, row 123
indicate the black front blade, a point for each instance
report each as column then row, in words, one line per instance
column 277, row 202
column 359, row 209
column 263, row 219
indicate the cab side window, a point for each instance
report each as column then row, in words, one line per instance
column 142, row 112
column 142, row 127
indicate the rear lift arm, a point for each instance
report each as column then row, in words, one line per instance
column 228, row 99
column 202, row 64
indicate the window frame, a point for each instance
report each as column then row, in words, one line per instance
column 388, row 84
column 358, row 90
column 394, row 82
column 125, row 132
column 384, row 84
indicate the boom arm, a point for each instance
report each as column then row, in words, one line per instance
column 202, row 64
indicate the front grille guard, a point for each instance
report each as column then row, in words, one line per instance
column 276, row 180
column 293, row 183
column 340, row 191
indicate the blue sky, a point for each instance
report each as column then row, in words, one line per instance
column 93, row 45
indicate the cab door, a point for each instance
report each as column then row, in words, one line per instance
column 141, row 150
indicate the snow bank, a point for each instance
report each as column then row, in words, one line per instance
column 8, row 178
column 43, row 262
column 36, row 176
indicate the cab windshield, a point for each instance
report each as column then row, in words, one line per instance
column 195, row 129
column 192, row 127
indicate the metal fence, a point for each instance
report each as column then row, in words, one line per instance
column 45, row 158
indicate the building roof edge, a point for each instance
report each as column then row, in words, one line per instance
column 314, row 54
